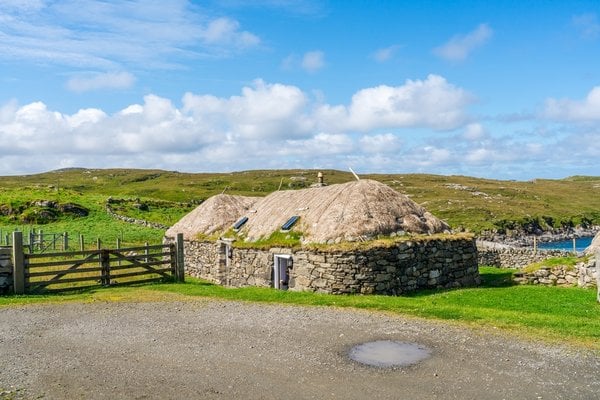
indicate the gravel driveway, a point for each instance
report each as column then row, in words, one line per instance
column 206, row 349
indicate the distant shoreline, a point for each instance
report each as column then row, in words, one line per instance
column 527, row 240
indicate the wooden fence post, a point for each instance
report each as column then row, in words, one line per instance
column 105, row 266
column 65, row 241
column 18, row 260
column 81, row 244
column 180, row 271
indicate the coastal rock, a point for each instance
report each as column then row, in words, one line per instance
column 594, row 247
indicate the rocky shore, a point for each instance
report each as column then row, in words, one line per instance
column 523, row 239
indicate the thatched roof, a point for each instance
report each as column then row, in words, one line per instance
column 594, row 247
column 349, row 211
column 216, row 214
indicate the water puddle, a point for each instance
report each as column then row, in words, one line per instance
column 388, row 353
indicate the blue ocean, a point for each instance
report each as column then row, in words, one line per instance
column 567, row 245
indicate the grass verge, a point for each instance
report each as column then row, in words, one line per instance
column 559, row 315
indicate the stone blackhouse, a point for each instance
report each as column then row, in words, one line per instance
column 357, row 237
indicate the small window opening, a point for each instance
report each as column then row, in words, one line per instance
column 290, row 222
column 240, row 223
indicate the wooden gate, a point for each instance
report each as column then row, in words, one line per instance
column 71, row 270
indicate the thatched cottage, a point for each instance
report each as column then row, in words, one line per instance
column 356, row 237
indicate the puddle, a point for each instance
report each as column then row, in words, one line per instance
column 388, row 353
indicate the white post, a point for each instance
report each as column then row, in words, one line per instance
column 119, row 248
column 598, row 275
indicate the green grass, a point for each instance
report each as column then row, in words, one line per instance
column 97, row 225
column 559, row 315
column 569, row 262
column 469, row 203
column 276, row 239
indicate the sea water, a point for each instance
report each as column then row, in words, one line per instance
column 567, row 245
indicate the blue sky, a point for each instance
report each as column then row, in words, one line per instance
column 498, row 89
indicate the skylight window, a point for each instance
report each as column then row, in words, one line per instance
column 290, row 222
column 240, row 223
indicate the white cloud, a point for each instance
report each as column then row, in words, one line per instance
column 385, row 54
column 433, row 103
column 313, row 61
column 262, row 111
column 587, row 109
column 267, row 125
column 22, row 5
column 459, row 47
column 320, row 144
column 474, row 131
column 225, row 31
column 108, row 80
column 111, row 35
column 587, row 25
column 380, row 143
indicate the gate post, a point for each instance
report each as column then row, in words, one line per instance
column 180, row 271
column 18, row 260
column 105, row 267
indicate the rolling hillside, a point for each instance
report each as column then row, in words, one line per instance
column 464, row 202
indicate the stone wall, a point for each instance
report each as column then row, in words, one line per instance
column 584, row 275
column 134, row 221
column 392, row 269
column 494, row 255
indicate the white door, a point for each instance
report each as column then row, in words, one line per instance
column 281, row 271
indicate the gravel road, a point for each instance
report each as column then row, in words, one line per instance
column 205, row 349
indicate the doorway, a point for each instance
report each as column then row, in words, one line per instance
column 281, row 271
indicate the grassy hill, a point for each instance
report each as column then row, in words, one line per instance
column 164, row 196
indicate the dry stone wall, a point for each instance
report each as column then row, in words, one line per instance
column 401, row 268
column 494, row 255
column 584, row 274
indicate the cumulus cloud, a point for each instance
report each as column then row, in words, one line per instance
column 587, row 25
column 108, row 80
column 432, row 103
column 587, row 109
column 459, row 47
column 313, row 61
column 266, row 125
column 262, row 111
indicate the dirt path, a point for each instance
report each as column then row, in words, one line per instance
column 228, row 350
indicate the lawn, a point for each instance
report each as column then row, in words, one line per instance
column 557, row 315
